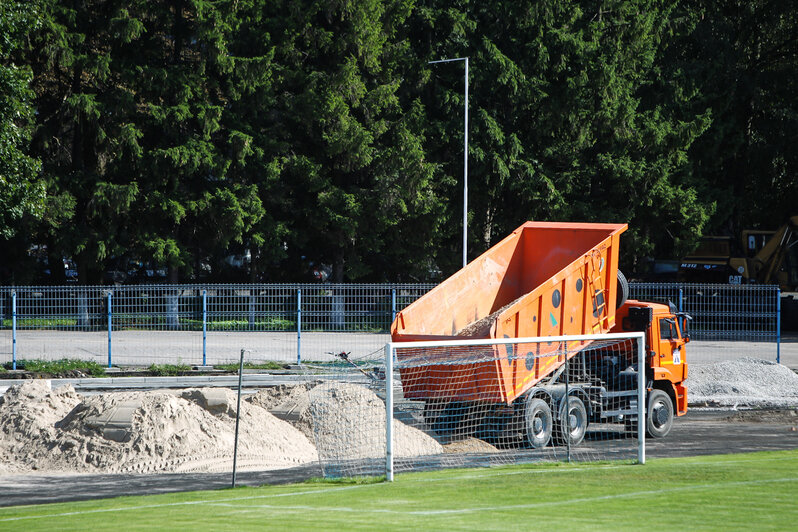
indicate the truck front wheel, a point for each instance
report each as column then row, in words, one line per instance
column 538, row 422
column 659, row 419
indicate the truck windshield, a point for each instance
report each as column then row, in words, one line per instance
column 668, row 329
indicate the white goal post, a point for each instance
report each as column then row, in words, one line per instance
column 515, row 400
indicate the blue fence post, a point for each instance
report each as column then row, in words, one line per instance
column 778, row 325
column 204, row 326
column 681, row 299
column 108, row 304
column 393, row 305
column 298, row 325
column 14, row 330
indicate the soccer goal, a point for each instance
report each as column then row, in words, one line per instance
column 472, row 403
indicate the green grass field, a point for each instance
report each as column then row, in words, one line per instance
column 756, row 491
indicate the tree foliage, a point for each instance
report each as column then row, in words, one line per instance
column 21, row 191
column 302, row 136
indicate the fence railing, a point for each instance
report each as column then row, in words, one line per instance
column 738, row 314
column 188, row 318
column 210, row 324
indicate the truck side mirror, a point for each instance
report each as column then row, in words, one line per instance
column 684, row 320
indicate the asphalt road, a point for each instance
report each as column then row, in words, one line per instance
column 142, row 348
column 698, row 433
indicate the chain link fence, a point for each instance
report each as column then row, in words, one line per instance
column 139, row 325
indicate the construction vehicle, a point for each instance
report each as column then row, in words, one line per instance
column 762, row 257
column 546, row 279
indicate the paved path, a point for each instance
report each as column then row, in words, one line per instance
column 142, row 348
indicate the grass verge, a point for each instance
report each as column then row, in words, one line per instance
column 168, row 370
column 250, row 365
column 729, row 492
column 59, row 367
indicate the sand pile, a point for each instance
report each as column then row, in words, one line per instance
column 346, row 421
column 141, row 432
column 358, row 414
column 193, row 430
column 743, row 382
column 28, row 414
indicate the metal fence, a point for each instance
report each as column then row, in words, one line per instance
column 210, row 324
column 729, row 321
column 198, row 324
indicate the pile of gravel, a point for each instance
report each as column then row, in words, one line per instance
column 747, row 382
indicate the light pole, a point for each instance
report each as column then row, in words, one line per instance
column 465, row 157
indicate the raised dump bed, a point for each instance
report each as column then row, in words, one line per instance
column 544, row 279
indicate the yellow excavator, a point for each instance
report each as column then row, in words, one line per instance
column 769, row 257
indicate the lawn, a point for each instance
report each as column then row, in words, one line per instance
column 755, row 491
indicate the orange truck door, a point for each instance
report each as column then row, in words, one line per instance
column 672, row 363
column 670, row 348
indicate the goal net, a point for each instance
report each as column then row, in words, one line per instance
column 472, row 403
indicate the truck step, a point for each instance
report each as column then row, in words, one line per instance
column 627, row 393
column 621, row 412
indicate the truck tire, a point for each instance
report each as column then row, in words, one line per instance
column 623, row 290
column 576, row 426
column 659, row 418
column 537, row 422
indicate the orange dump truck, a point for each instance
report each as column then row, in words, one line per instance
column 546, row 279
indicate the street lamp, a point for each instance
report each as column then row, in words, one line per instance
column 465, row 157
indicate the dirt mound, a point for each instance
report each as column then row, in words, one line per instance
column 193, row 430
column 744, row 382
column 348, row 422
column 274, row 396
column 141, row 432
column 470, row 445
column 28, row 412
column 782, row 416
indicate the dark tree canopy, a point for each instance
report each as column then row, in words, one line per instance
column 278, row 140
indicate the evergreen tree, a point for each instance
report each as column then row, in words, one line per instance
column 22, row 192
column 744, row 58
column 572, row 118
column 349, row 166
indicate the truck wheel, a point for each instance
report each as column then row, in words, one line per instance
column 623, row 290
column 576, row 426
column 538, row 422
column 659, row 418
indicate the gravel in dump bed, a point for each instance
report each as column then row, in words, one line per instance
column 747, row 382
column 481, row 327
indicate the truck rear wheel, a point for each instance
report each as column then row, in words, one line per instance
column 623, row 290
column 572, row 424
column 538, row 422
column 659, row 418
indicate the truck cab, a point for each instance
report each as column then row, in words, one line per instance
column 667, row 332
